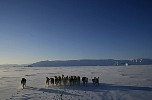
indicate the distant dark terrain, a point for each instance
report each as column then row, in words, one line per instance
column 106, row 62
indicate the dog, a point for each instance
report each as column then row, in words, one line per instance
column 95, row 81
column 52, row 80
column 47, row 81
column 85, row 81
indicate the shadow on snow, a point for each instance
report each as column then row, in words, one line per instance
column 56, row 91
column 106, row 86
column 90, row 87
column 51, row 90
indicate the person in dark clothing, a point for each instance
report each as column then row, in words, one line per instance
column 23, row 82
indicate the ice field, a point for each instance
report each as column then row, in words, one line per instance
column 116, row 83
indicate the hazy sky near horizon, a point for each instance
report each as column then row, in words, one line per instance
column 35, row 30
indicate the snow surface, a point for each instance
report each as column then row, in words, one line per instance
column 116, row 83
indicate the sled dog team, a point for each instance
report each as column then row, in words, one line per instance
column 70, row 80
column 66, row 81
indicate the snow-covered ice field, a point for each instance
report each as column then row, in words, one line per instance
column 116, row 83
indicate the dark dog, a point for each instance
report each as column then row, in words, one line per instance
column 95, row 81
column 23, row 82
column 85, row 81
column 47, row 81
column 52, row 80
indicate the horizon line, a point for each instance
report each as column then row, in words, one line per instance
column 71, row 59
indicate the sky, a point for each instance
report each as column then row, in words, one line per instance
column 38, row 30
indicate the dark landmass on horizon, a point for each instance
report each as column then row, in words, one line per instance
column 91, row 62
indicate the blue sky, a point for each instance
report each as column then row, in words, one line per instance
column 35, row 30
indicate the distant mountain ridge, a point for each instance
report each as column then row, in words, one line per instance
column 90, row 62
